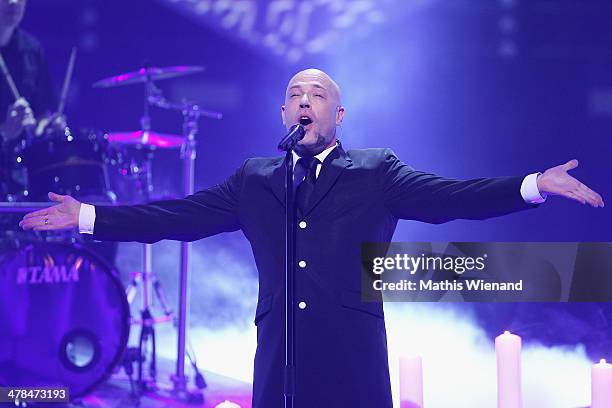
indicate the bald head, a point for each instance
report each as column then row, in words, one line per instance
column 317, row 76
column 313, row 96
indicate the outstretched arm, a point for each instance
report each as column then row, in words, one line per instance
column 202, row 214
column 411, row 194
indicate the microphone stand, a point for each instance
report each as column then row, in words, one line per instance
column 289, row 282
column 288, row 144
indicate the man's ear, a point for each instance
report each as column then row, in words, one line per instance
column 283, row 115
column 339, row 114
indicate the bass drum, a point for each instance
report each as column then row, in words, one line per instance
column 64, row 317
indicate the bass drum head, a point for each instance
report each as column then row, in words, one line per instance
column 64, row 318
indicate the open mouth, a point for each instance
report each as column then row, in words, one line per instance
column 305, row 121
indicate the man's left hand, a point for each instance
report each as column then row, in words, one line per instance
column 557, row 181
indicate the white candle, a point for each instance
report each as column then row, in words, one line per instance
column 411, row 382
column 227, row 404
column 509, row 390
column 601, row 385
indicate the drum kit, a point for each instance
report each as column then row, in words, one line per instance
column 64, row 311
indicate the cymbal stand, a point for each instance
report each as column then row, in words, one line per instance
column 147, row 279
column 191, row 114
column 149, row 283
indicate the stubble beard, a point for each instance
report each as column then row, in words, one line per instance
column 313, row 149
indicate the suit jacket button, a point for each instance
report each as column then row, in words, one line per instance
column 302, row 264
column 303, row 224
column 302, row 305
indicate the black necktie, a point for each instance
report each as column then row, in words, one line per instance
column 306, row 170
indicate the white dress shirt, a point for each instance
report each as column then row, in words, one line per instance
column 321, row 156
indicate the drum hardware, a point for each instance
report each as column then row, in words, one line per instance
column 130, row 357
column 147, row 330
column 191, row 114
column 147, row 74
column 147, row 139
column 134, row 163
column 147, row 281
column 50, row 160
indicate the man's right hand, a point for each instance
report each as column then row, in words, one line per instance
column 63, row 216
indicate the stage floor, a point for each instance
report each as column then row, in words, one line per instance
column 116, row 392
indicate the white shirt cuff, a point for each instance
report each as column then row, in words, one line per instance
column 87, row 218
column 529, row 190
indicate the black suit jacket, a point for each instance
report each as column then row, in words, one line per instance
column 341, row 350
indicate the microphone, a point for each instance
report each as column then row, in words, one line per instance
column 296, row 133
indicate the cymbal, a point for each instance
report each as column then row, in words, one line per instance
column 146, row 138
column 146, row 74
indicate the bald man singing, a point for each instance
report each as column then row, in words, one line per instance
column 355, row 196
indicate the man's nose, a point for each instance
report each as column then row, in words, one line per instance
column 304, row 102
